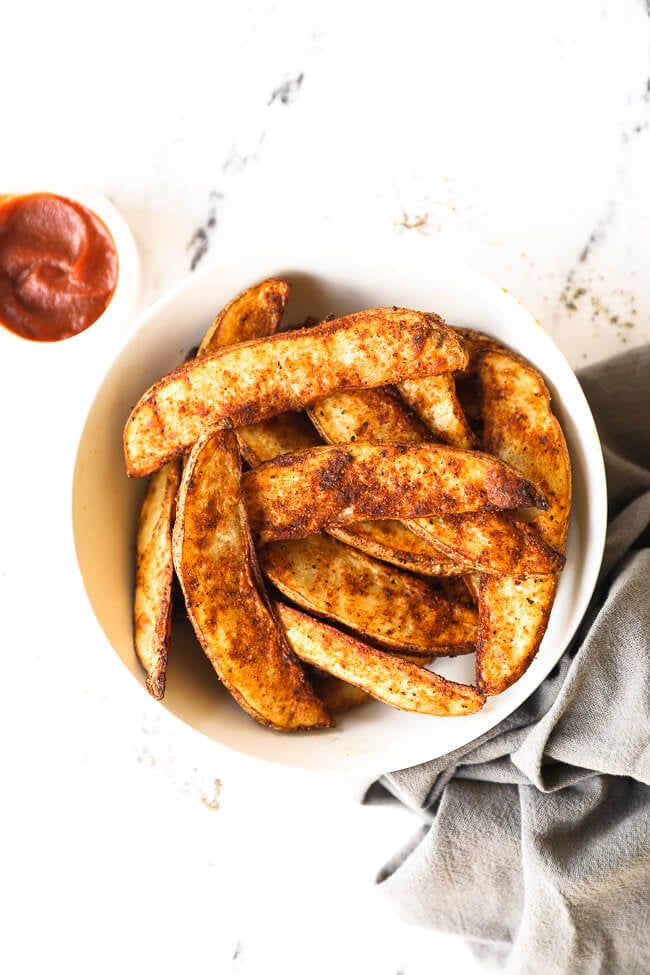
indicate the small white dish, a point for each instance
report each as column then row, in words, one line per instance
column 87, row 347
column 326, row 278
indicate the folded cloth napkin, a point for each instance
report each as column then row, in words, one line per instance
column 536, row 838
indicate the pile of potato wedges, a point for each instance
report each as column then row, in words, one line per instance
column 343, row 503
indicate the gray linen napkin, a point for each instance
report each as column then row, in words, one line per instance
column 536, row 838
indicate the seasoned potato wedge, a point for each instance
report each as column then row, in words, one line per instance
column 216, row 565
column 254, row 380
column 379, row 414
column 387, row 606
column 154, row 573
column 303, row 493
column 282, row 434
column 386, row 540
column 366, row 414
column 513, row 614
column 337, row 695
column 392, row 541
column 520, row 427
column 386, row 677
column 487, row 542
column 253, row 314
column 492, row 542
column 434, row 400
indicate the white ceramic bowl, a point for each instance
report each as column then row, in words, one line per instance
column 326, row 279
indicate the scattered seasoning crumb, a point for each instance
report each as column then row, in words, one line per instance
column 212, row 801
column 419, row 221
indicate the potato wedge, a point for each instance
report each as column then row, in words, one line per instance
column 254, row 380
column 519, row 427
column 393, row 542
column 379, row 414
column 513, row 614
column 489, row 542
column 434, row 400
column 254, row 313
column 303, row 493
column 387, row 678
column 386, row 540
column 217, row 568
column 366, row 414
column 337, row 695
column 492, row 542
column 154, row 572
column 391, row 608
column 282, row 434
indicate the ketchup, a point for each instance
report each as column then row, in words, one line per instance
column 58, row 266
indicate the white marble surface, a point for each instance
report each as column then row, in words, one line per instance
column 512, row 135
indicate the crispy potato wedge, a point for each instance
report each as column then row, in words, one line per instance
column 387, row 678
column 154, row 573
column 513, row 614
column 386, row 540
column 337, row 695
column 391, row 608
column 492, row 542
column 392, row 541
column 254, row 380
column 283, row 434
column 254, row 313
column 379, row 414
column 366, row 414
column 519, row 427
column 217, row 568
column 304, row 493
column 434, row 400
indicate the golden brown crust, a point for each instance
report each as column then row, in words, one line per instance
column 492, row 542
column 254, row 380
column 304, row 493
column 255, row 312
column 393, row 542
column 513, row 615
column 387, row 678
column 434, row 400
column 519, row 427
column 283, row 434
column 337, row 695
column 152, row 603
column 366, row 414
column 233, row 620
column 387, row 606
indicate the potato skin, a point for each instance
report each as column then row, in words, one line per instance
column 152, row 601
column 255, row 380
column 254, row 313
column 217, row 568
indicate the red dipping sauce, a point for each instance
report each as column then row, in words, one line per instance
column 58, row 266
